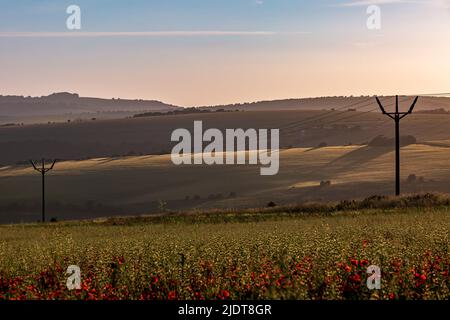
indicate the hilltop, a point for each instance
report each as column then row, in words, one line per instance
column 426, row 103
column 41, row 109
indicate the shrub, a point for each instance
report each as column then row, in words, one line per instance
column 382, row 141
column 411, row 178
column 326, row 183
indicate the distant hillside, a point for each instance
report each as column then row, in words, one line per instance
column 72, row 103
column 152, row 135
column 320, row 103
column 70, row 107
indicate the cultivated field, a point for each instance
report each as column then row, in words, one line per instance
column 319, row 256
column 152, row 184
column 143, row 136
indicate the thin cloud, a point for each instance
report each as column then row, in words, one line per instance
column 360, row 3
column 80, row 34
column 367, row 44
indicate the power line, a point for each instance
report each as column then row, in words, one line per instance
column 346, row 118
column 339, row 119
column 387, row 120
column 353, row 115
column 329, row 113
column 325, row 115
column 317, row 117
column 431, row 95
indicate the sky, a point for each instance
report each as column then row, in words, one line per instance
column 209, row 52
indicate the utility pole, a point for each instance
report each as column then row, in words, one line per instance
column 43, row 170
column 397, row 116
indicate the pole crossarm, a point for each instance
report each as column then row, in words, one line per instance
column 34, row 166
column 51, row 167
column 43, row 169
column 398, row 114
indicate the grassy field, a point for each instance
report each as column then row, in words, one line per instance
column 137, row 185
column 321, row 256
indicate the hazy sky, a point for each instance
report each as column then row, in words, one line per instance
column 199, row 52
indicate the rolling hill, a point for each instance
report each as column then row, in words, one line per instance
column 146, row 184
column 63, row 105
column 151, row 135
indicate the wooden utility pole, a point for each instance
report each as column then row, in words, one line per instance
column 397, row 116
column 43, row 170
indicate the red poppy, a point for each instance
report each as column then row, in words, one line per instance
column 172, row 295
column 225, row 294
column 354, row 262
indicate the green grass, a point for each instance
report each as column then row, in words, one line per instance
column 280, row 257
